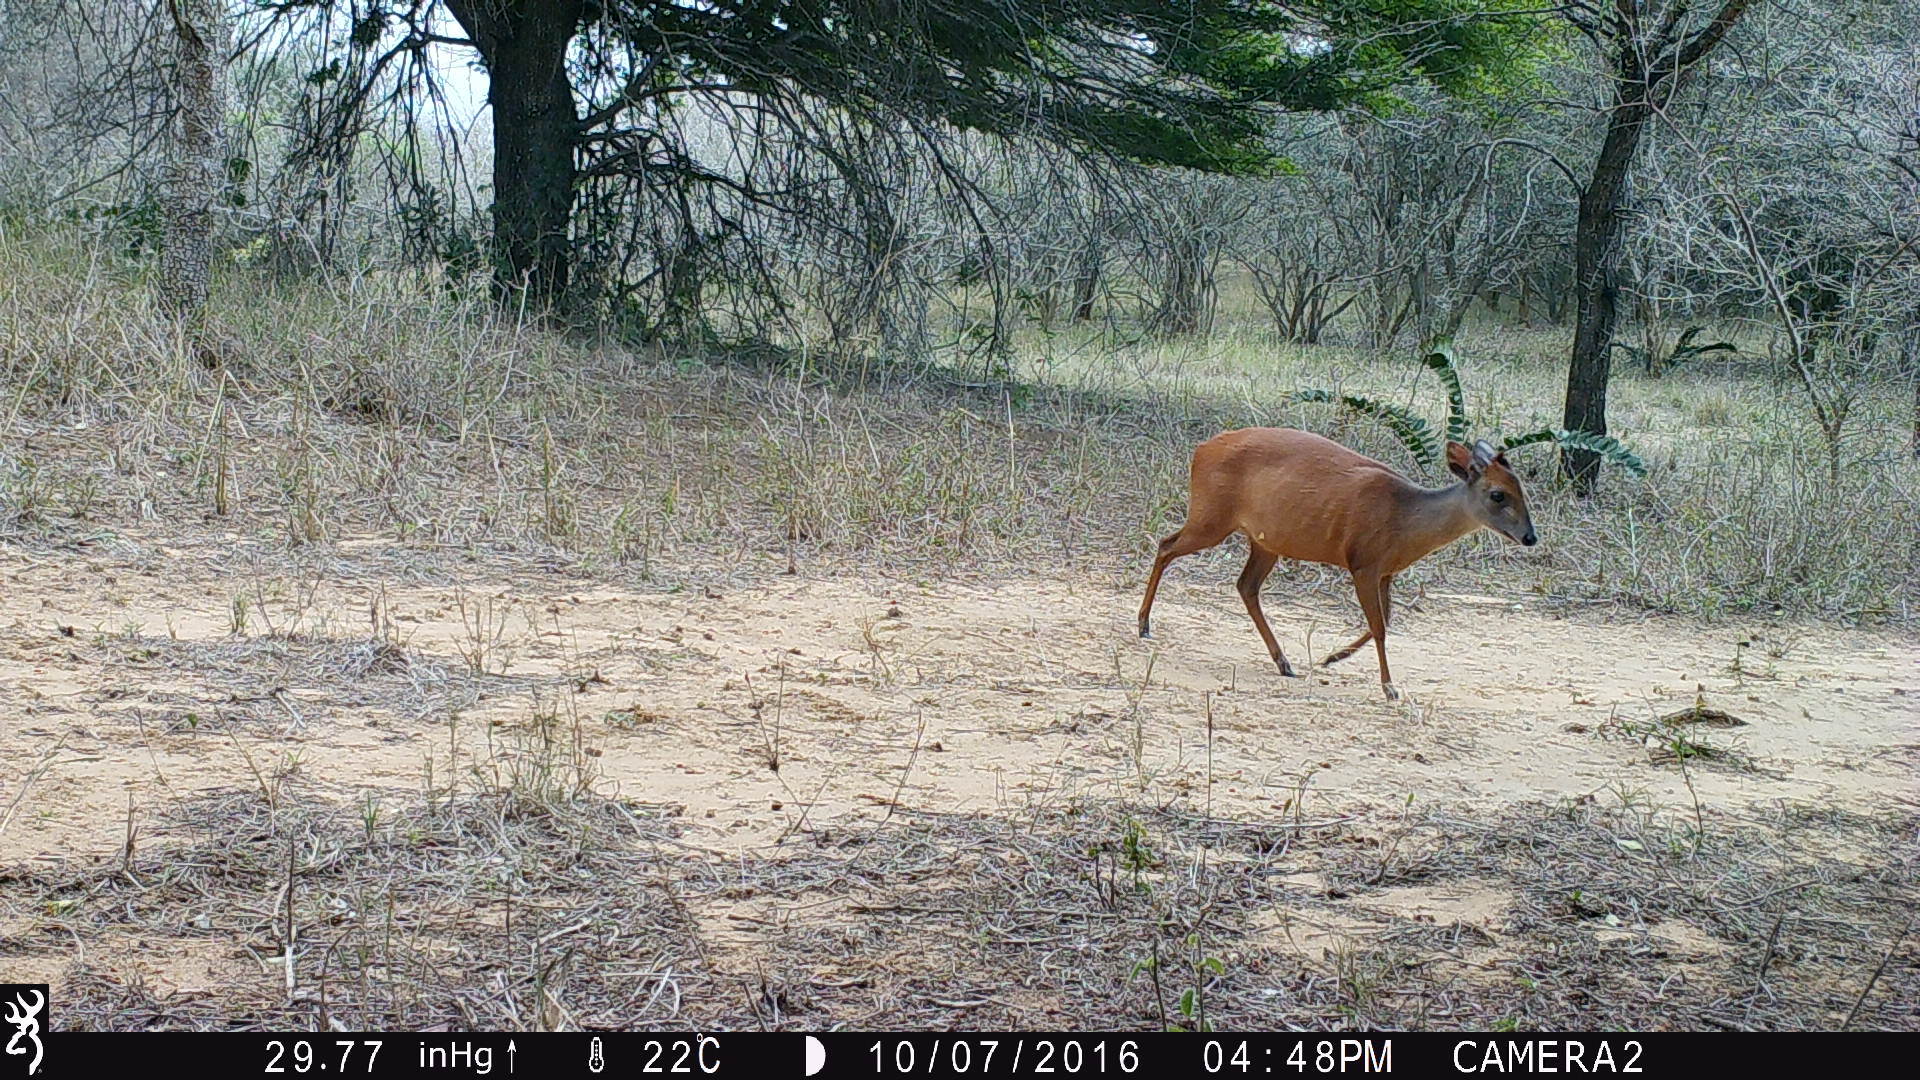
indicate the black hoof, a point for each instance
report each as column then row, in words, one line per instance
column 1287, row 670
column 1143, row 630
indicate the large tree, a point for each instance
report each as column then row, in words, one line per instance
column 1651, row 46
column 579, row 89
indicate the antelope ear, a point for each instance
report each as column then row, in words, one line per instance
column 1460, row 462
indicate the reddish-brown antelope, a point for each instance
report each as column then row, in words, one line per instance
column 1299, row 496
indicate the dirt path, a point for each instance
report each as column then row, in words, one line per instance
column 1030, row 692
column 139, row 686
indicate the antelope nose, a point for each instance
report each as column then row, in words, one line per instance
column 1529, row 539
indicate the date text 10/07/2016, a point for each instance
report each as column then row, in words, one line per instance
column 964, row 1055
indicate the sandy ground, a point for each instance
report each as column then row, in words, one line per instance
column 1016, row 692
column 125, row 688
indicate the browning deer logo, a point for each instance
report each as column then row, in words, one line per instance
column 25, row 1018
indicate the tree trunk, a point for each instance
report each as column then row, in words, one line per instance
column 1086, row 279
column 1184, row 289
column 1910, row 351
column 1418, row 279
column 1463, row 301
column 195, row 166
column 1596, row 281
column 535, row 124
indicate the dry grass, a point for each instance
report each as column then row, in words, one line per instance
column 376, row 406
column 1623, row 917
column 494, row 912
column 483, row 912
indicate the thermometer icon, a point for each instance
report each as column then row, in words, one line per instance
column 594, row 1061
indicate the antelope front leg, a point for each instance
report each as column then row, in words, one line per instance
column 1374, row 598
column 1259, row 565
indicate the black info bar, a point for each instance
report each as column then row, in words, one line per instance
column 451, row 1055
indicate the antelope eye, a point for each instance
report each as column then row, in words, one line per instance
column 1497, row 496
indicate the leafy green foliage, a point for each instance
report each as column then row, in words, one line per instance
column 1685, row 349
column 1417, row 435
column 136, row 225
column 1188, row 84
column 1654, row 361
column 1610, row 449
column 1439, row 360
column 1413, row 432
